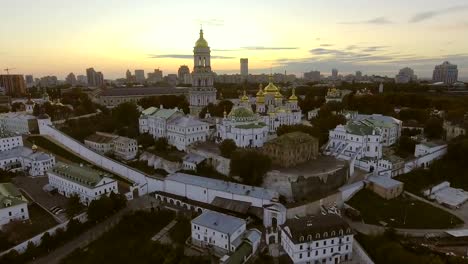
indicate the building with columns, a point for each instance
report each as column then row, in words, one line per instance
column 202, row 91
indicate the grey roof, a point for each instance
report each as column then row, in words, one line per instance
column 184, row 121
column 231, row 187
column 433, row 144
column 143, row 91
column 194, row 158
column 231, row 205
column 220, row 222
column 384, row 181
column 25, row 153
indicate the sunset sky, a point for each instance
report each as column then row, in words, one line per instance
column 55, row 37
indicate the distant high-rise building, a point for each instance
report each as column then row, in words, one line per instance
column 29, row 81
column 244, row 68
column 155, row 77
column 446, row 73
column 405, row 75
column 95, row 79
column 13, row 84
column 334, row 74
column 140, row 76
column 128, row 76
column 172, row 79
column 48, row 81
column 82, row 80
column 71, row 79
column 184, row 75
column 312, row 76
column 99, row 79
column 91, row 75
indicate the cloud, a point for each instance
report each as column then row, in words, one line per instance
column 326, row 45
column 430, row 14
column 210, row 22
column 268, row 48
column 225, row 49
column 374, row 21
column 183, row 56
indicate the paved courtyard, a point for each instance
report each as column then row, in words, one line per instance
column 33, row 187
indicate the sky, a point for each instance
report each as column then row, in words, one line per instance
column 55, row 37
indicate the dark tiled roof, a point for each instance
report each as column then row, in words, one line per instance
column 99, row 138
column 231, row 205
column 148, row 91
column 302, row 227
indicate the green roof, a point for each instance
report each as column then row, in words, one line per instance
column 292, row 139
column 241, row 112
column 243, row 251
column 164, row 113
column 9, row 194
column 359, row 129
column 252, row 125
column 149, row 111
column 82, row 175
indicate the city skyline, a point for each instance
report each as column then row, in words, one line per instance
column 369, row 36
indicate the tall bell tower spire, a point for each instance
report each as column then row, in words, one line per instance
column 202, row 91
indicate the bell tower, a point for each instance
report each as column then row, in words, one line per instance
column 202, row 91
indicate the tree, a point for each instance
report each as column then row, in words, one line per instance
column 405, row 146
column 227, row 147
column 250, row 165
column 161, row 144
column 433, row 128
column 74, row 205
column 145, row 140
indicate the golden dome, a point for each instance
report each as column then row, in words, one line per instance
column 293, row 97
column 245, row 98
column 278, row 95
column 271, row 88
column 201, row 42
column 34, row 147
column 260, row 91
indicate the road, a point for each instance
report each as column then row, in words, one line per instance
column 92, row 234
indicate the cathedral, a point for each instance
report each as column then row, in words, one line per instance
column 251, row 129
column 202, row 91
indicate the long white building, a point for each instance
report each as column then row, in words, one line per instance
column 13, row 205
column 18, row 122
column 31, row 161
column 9, row 141
column 179, row 129
column 103, row 143
column 317, row 239
column 88, row 183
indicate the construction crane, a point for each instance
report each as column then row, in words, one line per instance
column 8, row 70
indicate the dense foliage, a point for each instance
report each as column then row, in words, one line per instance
column 167, row 101
column 227, row 147
column 250, row 165
column 130, row 242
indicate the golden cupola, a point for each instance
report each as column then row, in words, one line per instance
column 293, row 97
column 260, row 95
column 271, row 88
column 245, row 98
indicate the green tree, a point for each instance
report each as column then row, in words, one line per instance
column 74, row 205
column 145, row 140
column 161, row 144
column 250, row 165
column 227, row 147
column 433, row 128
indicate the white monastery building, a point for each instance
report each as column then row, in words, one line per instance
column 317, row 239
column 89, row 184
column 9, row 141
column 13, row 205
column 179, row 129
column 31, row 161
column 103, row 143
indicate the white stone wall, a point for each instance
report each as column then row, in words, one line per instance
column 146, row 183
column 207, row 236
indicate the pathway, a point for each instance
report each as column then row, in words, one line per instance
column 164, row 231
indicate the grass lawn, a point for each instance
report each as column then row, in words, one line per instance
column 401, row 212
column 55, row 149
